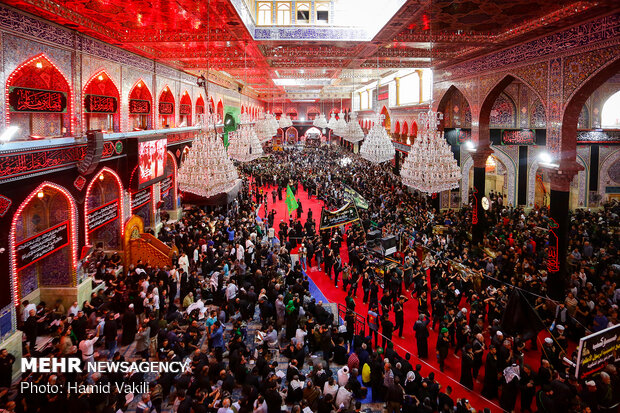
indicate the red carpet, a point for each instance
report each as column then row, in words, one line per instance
column 452, row 369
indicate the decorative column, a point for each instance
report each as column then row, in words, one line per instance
column 478, row 221
column 421, row 84
column 561, row 179
column 397, row 80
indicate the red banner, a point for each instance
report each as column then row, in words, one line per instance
column 33, row 100
column 139, row 107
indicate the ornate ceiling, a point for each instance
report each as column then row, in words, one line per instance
column 198, row 35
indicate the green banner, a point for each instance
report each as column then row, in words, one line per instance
column 359, row 200
column 232, row 117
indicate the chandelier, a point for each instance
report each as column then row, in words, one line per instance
column 244, row 145
column 341, row 126
column 285, row 121
column 332, row 122
column 267, row 127
column 377, row 147
column 320, row 122
column 207, row 170
column 430, row 166
column 354, row 132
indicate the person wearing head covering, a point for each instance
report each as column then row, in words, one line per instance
column 130, row 326
column 490, row 374
column 442, row 347
column 467, row 363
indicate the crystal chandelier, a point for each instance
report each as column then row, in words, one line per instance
column 354, row 132
column 377, row 147
column 341, row 126
column 244, row 145
column 266, row 128
column 285, row 121
column 332, row 122
column 207, row 170
column 320, row 122
column 430, row 166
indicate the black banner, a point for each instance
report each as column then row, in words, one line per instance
column 344, row 215
column 100, row 104
column 359, row 200
column 185, row 109
column 597, row 350
column 165, row 186
column 102, row 215
column 166, row 108
column 41, row 245
column 590, row 136
column 34, row 100
column 518, row 137
column 457, row 136
column 139, row 107
column 140, row 198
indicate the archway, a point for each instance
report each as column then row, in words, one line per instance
column 609, row 176
column 39, row 100
column 386, row 122
column 200, row 107
column 166, row 108
column 212, row 106
column 397, row 130
column 570, row 117
column 292, row 136
column 43, row 241
column 185, row 109
column 220, row 112
column 500, row 176
column 277, row 112
column 140, row 101
column 610, row 114
column 455, row 108
column 141, row 201
column 414, row 131
column 312, row 113
column 313, row 137
column 101, row 109
column 503, row 112
column 168, row 191
column 405, row 133
column 104, row 210
column 291, row 113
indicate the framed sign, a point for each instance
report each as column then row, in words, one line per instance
column 166, row 108
column 185, row 109
column 165, row 186
column 602, row 136
column 102, row 215
column 457, row 136
column 41, row 245
column 100, row 104
column 140, row 198
column 34, row 100
column 139, row 107
column 518, row 137
column 151, row 160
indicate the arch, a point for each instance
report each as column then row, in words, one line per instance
column 71, row 234
column 484, row 117
column 102, row 84
column 397, row 128
column 610, row 117
column 386, row 122
column 141, row 112
column 414, row 129
column 405, row 131
column 242, row 109
column 603, row 176
column 442, row 106
column 220, row 111
column 39, row 72
column 503, row 112
column 211, row 105
column 291, row 129
column 200, row 106
column 121, row 204
column 584, row 118
column 292, row 113
column 511, row 175
column 185, row 109
column 171, row 202
column 166, row 107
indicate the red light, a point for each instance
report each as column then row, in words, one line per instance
column 120, row 199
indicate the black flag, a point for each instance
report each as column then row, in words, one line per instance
column 520, row 318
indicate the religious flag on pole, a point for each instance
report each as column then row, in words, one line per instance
column 290, row 202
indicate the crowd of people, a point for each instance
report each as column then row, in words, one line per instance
column 237, row 305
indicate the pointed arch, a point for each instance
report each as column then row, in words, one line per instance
column 17, row 265
column 397, row 128
column 511, row 176
column 451, row 93
column 220, row 111
column 101, row 84
column 173, row 167
column 141, row 111
column 405, row 131
column 120, row 204
column 29, row 74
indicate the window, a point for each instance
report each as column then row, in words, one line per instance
column 264, row 14
column 427, row 84
column 409, row 89
column 283, row 14
column 610, row 116
column 364, row 98
column 322, row 13
column 303, row 12
column 356, row 101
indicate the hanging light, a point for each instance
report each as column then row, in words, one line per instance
column 285, row 121
column 332, row 122
column 320, row 122
column 354, row 132
column 207, row 169
column 244, row 145
column 377, row 147
column 430, row 166
column 341, row 126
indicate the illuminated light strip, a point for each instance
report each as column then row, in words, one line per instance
column 9, row 82
column 141, row 81
column 118, row 94
column 13, row 242
column 120, row 200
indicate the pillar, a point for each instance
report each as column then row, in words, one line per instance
column 478, row 218
column 561, row 179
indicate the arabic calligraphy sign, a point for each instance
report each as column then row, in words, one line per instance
column 166, row 108
column 518, row 137
column 102, row 215
column 100, row 104
column 597, row 350
column 34, row 100
column 41, row 245
column 139, row 107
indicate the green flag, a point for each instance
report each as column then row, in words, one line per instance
column 291, row 202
